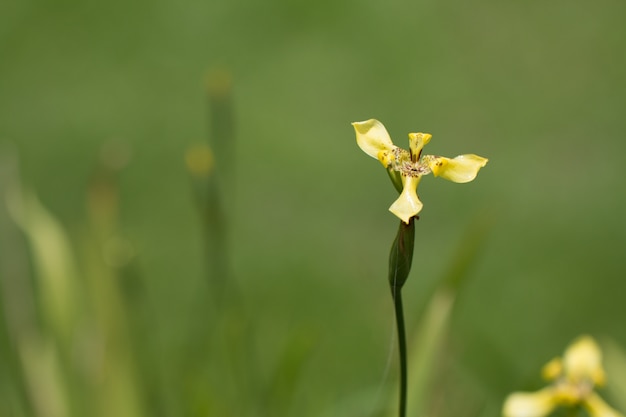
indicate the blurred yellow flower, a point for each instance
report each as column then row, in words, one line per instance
column 406, row 168
column 573, row 378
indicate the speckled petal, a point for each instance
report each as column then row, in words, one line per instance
column 417, row 141
column 372, row 138
column 461, row 169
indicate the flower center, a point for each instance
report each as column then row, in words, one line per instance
column 573, row 392
column 402, row 163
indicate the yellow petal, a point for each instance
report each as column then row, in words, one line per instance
column 553, row 369
column 529, row 404
column 598, row 408
column 417, row 142
column 463, row 168
column 583, row 360
column 373, row 139
column 407, row 205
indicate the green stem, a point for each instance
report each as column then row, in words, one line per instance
column 397, row 301
column 400, row 260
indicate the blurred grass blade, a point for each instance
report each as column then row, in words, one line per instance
column 47, row 388
column 219, row 85
column 13, row 392
column 110, row 351
column 17, row 311
column 473, row 240
column 212, row 169
column 427, row 344
column 53, row 260
column 287, row 373
column 201, row 165
column 615, row 364
column 42, row 356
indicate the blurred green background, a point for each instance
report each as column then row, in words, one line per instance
column 305, row 325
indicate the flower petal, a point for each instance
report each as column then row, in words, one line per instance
column 407, row 205
column 529, row 404
column 598, row 408
column 417, row 141
column 463, row 168
column 372, row 138
column 583, row 360
column 552, row 370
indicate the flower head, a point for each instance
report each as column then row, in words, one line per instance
column 573, row 379
column 406, row 167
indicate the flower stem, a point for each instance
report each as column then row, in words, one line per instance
column 397, row 301
column 400, row 260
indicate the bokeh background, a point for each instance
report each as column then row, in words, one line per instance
column 100, row 103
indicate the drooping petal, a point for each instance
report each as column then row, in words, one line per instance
column 417, row 141
column 407, row 205
column 529, row 404
column 373, row 139
column 463, row 168
column 598, row 408
column 583, row 360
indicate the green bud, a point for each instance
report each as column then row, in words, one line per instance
column 401, row 255
column 396, row 179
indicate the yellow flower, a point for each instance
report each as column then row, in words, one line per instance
column 573, row 380
column 406, row 168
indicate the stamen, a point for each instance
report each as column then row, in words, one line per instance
column 414, row 169
column 401, row 162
